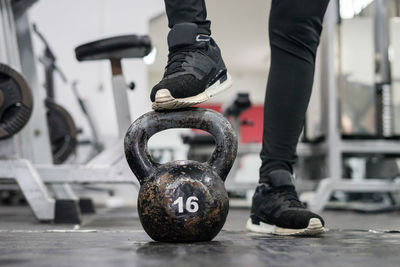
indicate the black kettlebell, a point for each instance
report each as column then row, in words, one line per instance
column 182, row 201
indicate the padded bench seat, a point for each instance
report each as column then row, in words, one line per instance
column 119, row 47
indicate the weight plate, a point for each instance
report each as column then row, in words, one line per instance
column 62, row 132
column 16, row 102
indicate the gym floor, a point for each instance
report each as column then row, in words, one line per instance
column 114, row 237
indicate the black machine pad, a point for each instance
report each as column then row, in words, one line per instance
column 127, row 46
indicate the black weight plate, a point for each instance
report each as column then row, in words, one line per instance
column 62, row 132
column 16, row 102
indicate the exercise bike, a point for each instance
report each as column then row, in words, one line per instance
column 62, row 128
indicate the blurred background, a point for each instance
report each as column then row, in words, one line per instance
column 75, row 74
column 353, row 122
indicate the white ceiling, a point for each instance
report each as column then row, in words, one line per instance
column 240, row 29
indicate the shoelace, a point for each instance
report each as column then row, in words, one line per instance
column 179, row 56
column 288, row 194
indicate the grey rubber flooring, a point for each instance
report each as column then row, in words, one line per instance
column 115, row 238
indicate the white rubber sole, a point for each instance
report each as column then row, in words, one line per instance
column 164, row 100
column 314, row 228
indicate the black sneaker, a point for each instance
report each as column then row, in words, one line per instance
column 276, row 209
column 194, row 73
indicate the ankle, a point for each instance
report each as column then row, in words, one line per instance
column 270, row 165
column 276, row 178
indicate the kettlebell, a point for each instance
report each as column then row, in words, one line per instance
column 184, row 200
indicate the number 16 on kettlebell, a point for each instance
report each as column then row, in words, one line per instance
column 182, row 201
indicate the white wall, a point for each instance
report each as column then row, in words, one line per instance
column 358, row 50
column 67, row 24
column 358, row 67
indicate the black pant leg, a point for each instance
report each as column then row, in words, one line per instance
column 195, row 11
column 294, row 31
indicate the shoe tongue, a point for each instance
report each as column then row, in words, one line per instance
column 182, row 34
column 280, row 178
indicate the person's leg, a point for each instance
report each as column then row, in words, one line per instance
column 294, row 30
column 195, row 70
column 195, row 11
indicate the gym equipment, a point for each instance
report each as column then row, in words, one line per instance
column 30, row 146
column 201, row 145
column 182, row 201
column 109, row 166
column 334, row 147
column 62, row 128
column 239, row 104
column 16, row 101
column 96, row 144
column 383, row 86
column 26, row 157
column 114, row 49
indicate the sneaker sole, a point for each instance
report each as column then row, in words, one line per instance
column 164, row 100
column 314, row 228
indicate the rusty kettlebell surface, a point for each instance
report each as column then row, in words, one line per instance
column 182, row 201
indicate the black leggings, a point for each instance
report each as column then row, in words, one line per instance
column 294, row 32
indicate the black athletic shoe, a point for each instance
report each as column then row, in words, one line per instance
column 194, row 73
column 278, row 210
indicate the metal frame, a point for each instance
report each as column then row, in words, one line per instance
column 34, row 138
column 35, row 192
column 26, row 157
column 334, row 146
column 11, row 164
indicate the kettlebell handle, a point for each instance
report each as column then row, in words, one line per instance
column 153, row 122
